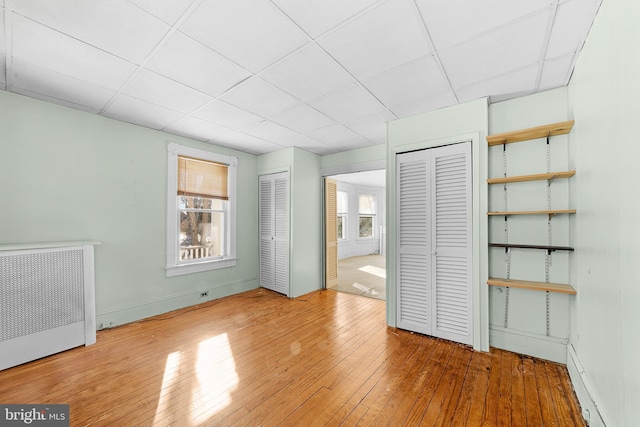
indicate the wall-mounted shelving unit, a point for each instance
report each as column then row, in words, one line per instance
column 545, row 131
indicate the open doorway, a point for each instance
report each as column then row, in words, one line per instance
column 360, row 238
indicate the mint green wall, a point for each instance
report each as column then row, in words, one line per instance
column 525, row 331
column 305, row 256
column 69, row 175
column 353, row 157
column 603, row 98
column 445, row 126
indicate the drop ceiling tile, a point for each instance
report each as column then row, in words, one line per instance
column 167, row 11
column 556, row 72
column 67, row 55
column 140, row 112
column 337, row 136
column 226, row 115
column 372, row 125
column 259, row 97
column 115, row 26
column 570, row 27
column 302, row 118
column 318, row 16
column 3, row 67
column 269, row 131
column 53, row 100
column 193, row 64
column 159, row 90
column 510, row 48
column 425, row 104
column 38, row 80
column 384, row 37
column 349, row 105
column 248, row 143
column 455, row 21
column 308, row 74
column 517, row 83
column 304, row 142
column 409, row 82
column 195, row 128
column 252, row 33
column 2, row 39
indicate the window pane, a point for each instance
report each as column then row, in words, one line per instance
column 367, row 204
column 189, row 202
column 340, row 228
column 366, row 226
column 343, row 202
column 201, row 235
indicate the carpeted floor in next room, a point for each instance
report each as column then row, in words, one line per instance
column 362, row 275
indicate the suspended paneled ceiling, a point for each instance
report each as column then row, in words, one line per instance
column 262, row 75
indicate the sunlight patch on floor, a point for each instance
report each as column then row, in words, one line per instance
column 364, row 288
column 171, row 370
column 376, row 271
column 217, row 378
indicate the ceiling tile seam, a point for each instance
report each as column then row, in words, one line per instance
column 431, row 45
column 553, row 10
column 145, row 11
column 8, row 49
column 48, row 98
column 172, row 30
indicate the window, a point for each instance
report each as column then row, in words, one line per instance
column 366, row 216
column 342, row 211
column 200, row 210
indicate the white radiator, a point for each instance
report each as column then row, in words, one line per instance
column 47, row 300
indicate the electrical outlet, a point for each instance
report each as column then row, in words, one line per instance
column 106, row 325
column 204, row 294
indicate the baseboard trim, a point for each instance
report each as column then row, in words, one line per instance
column 594, row 415
column 135, row 312
column 541, row 346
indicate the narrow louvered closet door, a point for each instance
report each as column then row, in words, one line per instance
column 451, row 242
column 414, row 224
column 434, row 242
column 274, row 232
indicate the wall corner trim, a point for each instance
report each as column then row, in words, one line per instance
column 591, row 412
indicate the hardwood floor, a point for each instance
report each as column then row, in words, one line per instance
column 258, row 358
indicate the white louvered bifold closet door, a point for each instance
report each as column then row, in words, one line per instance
column 274, row 232
column 434, row 242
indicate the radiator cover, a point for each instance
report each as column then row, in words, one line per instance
column 47, row 300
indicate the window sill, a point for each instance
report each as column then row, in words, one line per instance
column 179, row 270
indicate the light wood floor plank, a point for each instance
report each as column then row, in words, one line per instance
column 258, row 358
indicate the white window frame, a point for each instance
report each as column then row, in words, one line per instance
column 174, row 267
column 373, row 216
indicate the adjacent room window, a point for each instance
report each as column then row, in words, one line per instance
column 342, row 211
column 201, row 210
column 366, row 215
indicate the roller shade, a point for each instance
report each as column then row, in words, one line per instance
column 200, row 178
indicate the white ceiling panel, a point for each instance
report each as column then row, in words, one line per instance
column 510, row 48
column 268, row 131
column 248, row 143
column 115, row 26
column 308, row 74
column 252, row 33
column 454, row 21
column 349, row 104
column 197, row 128
column 193, row 64
column 42, row 81
column 384, row 37
column 376, row 178
column 511, row 85
column 302, row 118
column 318, row 16
column 167, row 11
column 259, row 97
column 53, row 100
column 140, row 112
column 555, row 72
column 2, row 39
column 570, row 27
column 373, row 124
column 226, row 115
column 304, row 142
column 159, row 90
column 337, row 136
column 427, row 103
column 66, row 55
column 414, row 80
column 3, row 67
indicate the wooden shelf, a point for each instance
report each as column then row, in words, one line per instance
column 518, row 246
column 536, row 286
column 534, row 177
column 531, row 133
column 545, row 212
